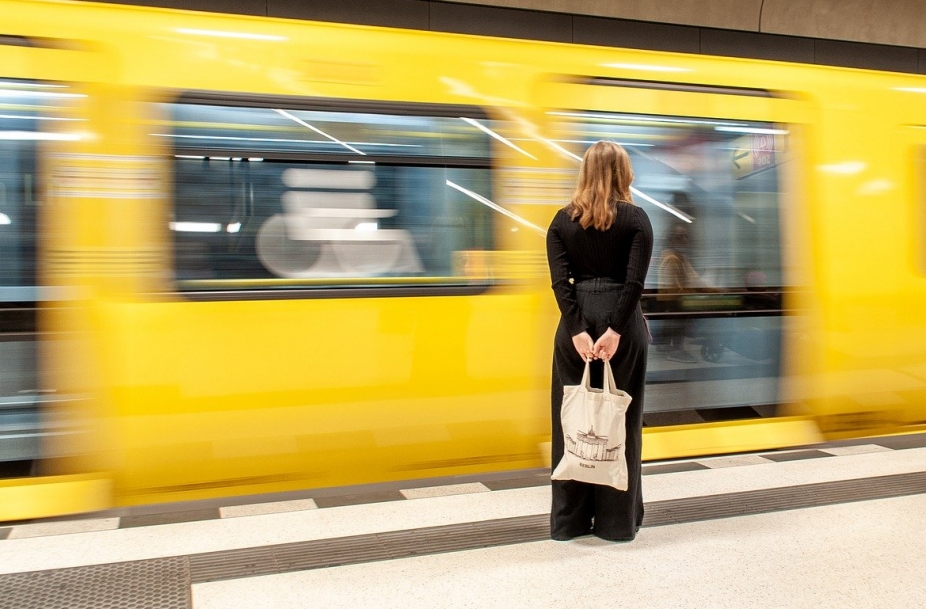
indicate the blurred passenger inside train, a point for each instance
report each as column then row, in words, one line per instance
column 676, row 278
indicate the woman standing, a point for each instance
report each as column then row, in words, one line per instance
column 599, row 249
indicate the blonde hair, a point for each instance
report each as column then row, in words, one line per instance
column 604, row 178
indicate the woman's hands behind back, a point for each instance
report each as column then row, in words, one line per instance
column 606, row 345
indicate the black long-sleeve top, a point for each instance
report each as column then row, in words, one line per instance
column 621, row 253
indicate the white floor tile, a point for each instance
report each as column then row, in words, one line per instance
column 718, row 462
column 861, row 449
column 275, row 507
column 42, row 529
column 834, row 557
column 698, row 483
column 443, row 491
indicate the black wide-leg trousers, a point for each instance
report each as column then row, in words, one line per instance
column 580, row 508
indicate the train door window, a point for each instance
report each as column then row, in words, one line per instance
column 29, row 115
column 712, row 191
column 272, row 195
column 715, row 181
column 22, row 112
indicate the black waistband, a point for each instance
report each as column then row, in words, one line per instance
column 598, row 284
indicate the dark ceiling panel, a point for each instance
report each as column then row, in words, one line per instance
column 868, row 56
column 635, row 34
column 412, row 14
column 510, row 23
column 756, row 46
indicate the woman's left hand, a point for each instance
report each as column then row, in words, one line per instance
column 585, row 347
column 606, row 345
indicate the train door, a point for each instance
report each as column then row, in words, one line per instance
column 715, row 171
column 21, row 114
column 43, row 103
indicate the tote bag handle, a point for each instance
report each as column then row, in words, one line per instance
column 609, row 384
column 586, row 376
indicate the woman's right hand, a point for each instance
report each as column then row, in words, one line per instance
column 585, row 346
column 607, row 344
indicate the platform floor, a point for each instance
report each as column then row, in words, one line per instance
column 832, row 526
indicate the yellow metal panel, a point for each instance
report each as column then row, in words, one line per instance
column 47, row 496
column 729, row 437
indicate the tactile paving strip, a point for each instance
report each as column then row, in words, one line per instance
column 145, row 584
column 434, row 540
column 366, row 548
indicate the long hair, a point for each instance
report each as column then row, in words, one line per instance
column 604, row 179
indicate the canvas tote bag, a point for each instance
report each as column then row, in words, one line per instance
column 595, row 433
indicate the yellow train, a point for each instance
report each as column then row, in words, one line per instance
column 268, row 255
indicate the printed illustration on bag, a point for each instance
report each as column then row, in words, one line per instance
column 592, row 447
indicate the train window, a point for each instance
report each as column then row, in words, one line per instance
column 272, row 196
column 24, row 112
column 714, row 289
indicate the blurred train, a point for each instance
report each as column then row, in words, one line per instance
column 243, row 255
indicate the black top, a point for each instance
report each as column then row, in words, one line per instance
column 621, row 253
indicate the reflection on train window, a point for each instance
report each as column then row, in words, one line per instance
column 714, row 289
column 713, row 183
column 270, row 197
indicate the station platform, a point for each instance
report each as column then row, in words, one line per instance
column 835, row 525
